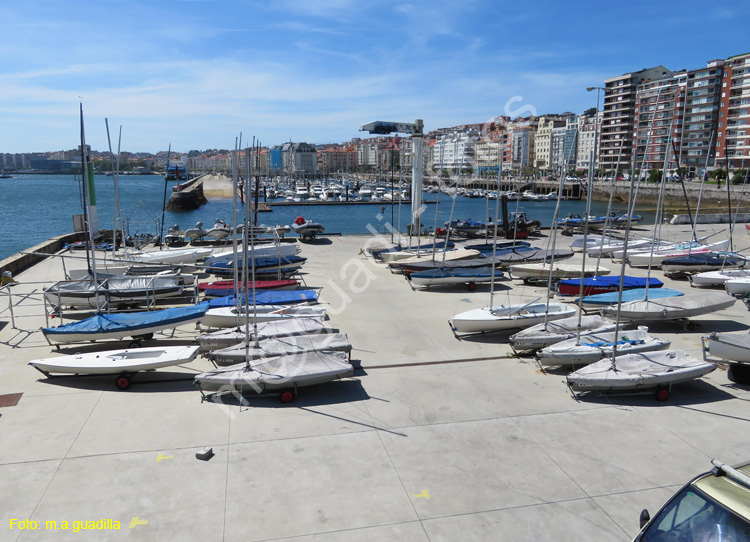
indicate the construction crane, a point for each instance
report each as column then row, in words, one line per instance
column 416, row 132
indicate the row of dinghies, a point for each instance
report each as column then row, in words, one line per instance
column 263, row 335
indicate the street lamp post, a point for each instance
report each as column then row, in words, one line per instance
column 596, row 127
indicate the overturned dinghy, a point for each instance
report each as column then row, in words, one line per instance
column 639, row 371
column 546, row 334
column 266, row 330
column 279, row 346
column 671, row 308
column 596, row 346
column 281, row 373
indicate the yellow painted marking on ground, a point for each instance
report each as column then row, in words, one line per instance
column 160, row 457
column 423, row 494
column 137, row 521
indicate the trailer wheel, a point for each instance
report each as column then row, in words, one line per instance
column 287, row 396
column 144, row 337
column 134, row 344
column 472, row 286
column 662, row 393
column 739, row 373
column 123, row 381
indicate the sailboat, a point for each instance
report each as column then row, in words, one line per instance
column 644, row 370
column 284, row 373
column 595, row 346
column 502, row 317
column 224, row 338
column 278, row 346
column 731, row 347
column 548, row 333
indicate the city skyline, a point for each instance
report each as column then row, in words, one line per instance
column 194, row 74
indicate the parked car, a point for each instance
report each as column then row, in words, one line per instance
column 713, row 507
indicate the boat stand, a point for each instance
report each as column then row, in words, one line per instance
column 285, row 395
column 661, row 393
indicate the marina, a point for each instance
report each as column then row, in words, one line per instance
column 426, row 437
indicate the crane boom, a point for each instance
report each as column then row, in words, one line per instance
column 388, row 127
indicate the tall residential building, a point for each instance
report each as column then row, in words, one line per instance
column 570, row 142
column 558, row 147
column 659, row 107
column 543, row 141
column 619, row 114
column 733, row 131
column 454, row 151
column 523, row 142
column 298, row 158
column 701, row 118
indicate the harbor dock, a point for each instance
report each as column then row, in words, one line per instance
column 433, row 438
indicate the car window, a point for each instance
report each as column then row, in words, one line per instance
column 693, row 517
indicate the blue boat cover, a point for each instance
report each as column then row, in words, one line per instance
column 628, row 282
column 132, row 321
column 636, row 294
column 269, row 297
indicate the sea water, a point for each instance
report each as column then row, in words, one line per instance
column 34, row 208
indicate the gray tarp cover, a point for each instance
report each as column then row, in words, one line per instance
column 282, row 345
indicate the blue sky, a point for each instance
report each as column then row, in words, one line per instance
column 196, row 73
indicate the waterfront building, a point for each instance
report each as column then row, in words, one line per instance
column 454, row 151
column 337, row 158
column 543, row 141
column 701, row 118
column 619, row 115
column 570, row 142
column 406, row 156
column 298, row 159
column 733, row 130
column 557, row 152
column 587, row 133
column 523, row 143
column 487, row 154
column 659, row 108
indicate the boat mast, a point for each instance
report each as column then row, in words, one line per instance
column 88, row 214
column 116, row 180
column 628, row 224
column 494, row 236
column 164, row 202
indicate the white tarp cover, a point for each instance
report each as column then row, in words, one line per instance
column 296, row 344
column 277, row 373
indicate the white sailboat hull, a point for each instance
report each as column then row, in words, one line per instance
column 737, row 286
column 224, row 317
column 118, row 361
column 730, row 346
column 718, row 278
column 508, row 317
column 639, row 371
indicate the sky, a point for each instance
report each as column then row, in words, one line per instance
column 195, row 74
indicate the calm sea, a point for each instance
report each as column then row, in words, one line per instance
column 34, row 208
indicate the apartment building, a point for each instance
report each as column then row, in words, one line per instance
column 733, row 127
column 454, row 151
column 336, row 158
column 701, row 118
column 659, row 110
column 619, row 115
column 523, row 142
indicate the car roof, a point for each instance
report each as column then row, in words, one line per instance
column 722, row 487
